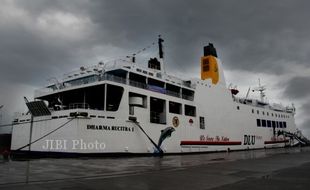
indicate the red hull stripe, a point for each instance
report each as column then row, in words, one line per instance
column 210, row 143
column 275, row 142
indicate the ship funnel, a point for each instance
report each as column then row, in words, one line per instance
column 209, row 50
column 209, row 64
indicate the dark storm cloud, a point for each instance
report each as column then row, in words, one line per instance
column 306, row 126
column 252, row 36
column 298, row 88
column 306, row 106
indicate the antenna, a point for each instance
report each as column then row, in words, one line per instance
column 261, row 89
column 247, row 94
column 26, row 100
column 161, row 52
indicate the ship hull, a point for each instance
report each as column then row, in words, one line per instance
column 114, row 136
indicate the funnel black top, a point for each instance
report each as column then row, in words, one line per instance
column 160, row 46
column 209, row 50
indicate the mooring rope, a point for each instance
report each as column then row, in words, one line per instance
column 46, row 134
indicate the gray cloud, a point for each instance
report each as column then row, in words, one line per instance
column 249, row 35
column 252, row 36
column 306, row 106
column 298, row 88
column 305, row 110
column 306, row 126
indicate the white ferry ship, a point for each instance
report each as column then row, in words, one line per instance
column 123, row 108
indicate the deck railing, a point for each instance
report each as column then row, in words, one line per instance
column 133, row 83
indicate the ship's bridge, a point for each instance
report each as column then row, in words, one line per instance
column 87, row 87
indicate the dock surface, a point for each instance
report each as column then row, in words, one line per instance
column 287, row 168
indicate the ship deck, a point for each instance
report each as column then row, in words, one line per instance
column 254, row 169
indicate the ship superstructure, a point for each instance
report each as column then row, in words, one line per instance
column 122, row 107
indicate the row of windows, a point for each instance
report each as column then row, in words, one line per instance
column 268, row 123
column 176, row 108
column 272, row 114
column 145, row 72
column 158, row 110
column 267, row 113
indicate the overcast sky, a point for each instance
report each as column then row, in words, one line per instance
column 269, row 40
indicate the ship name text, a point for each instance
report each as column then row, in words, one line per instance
column 109, row 128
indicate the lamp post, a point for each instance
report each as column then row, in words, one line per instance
column 1, row 114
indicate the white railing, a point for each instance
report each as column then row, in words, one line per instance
column 114, row 78
column 117, row 79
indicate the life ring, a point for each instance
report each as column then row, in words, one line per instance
column 175, row 121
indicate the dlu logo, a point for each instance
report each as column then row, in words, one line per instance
column 249, row 139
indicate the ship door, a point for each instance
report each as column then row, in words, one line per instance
column 136, row 101
column 157, row 111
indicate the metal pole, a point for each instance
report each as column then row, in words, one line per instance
column 1, row 114
column 30, row 133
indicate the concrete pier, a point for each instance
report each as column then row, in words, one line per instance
column 255, row 169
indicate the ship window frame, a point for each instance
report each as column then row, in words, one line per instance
column 137, row 80
column 171, row 109
column 173, row 90
column 158, row 75
column 158, row 111
column 202, row 122
column 258, row 123
column 189, row 110
column 268, row 123
column 187, row 94
column 156, row 83
column 113, row 108
column 90, row 97
column 264, row 123
column 82, row 80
